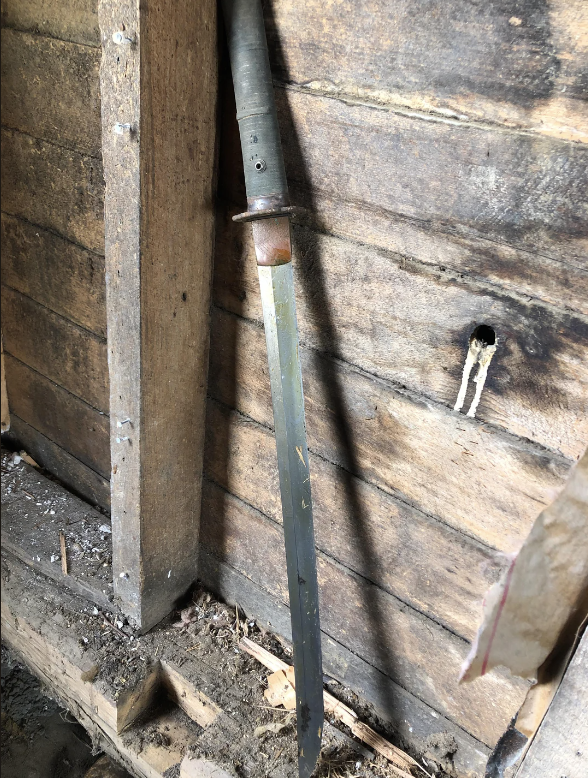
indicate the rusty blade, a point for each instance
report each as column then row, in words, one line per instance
column 272, row 241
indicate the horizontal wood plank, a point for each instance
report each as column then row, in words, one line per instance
column 412, row 720
column 530, row 274
column 77, row 477
column 70, row 356
column 396, row 320
column 54, row 187
column 53, row 271
column 517, row 64
column 519, row 190
column 50, row 90
column 476, row 478
column 62, row 417
column 70, row 21
column 414, row 651
column 437, row 570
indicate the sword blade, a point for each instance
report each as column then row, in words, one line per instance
column 279, row 313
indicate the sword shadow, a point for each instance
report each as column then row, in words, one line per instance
column 311, row 276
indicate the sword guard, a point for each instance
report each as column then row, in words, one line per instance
column 265, row 213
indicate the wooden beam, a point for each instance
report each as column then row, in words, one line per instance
column 158, row 94
column 54, row 651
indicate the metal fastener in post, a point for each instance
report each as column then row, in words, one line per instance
column 122, row 129
column 121, row 39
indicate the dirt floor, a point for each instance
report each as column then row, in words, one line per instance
column 39, row 738
column 250, row 739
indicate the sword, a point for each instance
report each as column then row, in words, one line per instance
column 268, row 208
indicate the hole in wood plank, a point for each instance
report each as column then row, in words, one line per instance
column 482, row 347
column 484, row 334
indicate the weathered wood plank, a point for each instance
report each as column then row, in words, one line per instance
column 528, row 273
column 159, row 243
column 79, row 478
column 416, row 327
column 474, row 477
column 70, row 21
column 70, row 356
column 437, row 570
column 53, row 653
column 60, row 275
column 519, row 190
column 4, row 397
column 414, row 651
column 59, row 415
column 412, row 719
column 518, row 64
column 54, row 187
column 559, row 747
column 50, row 90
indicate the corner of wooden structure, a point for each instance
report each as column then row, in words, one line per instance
column 158, row 82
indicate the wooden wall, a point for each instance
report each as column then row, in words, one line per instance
column 439, row 150
column 53, row 283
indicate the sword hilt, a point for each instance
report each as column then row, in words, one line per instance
column 263, row 161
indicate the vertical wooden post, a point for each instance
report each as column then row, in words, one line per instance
column 158, row 83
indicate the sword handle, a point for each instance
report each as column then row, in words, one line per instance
column 263, row 162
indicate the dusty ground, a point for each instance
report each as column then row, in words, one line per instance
column 250, row 739
column 39, row 738
column 36, row 509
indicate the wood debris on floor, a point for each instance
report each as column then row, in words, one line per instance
column 185, row 690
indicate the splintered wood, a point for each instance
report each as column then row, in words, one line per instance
column 281, row 691
column 63, row 553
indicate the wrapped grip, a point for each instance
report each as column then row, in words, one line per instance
column 263, row 162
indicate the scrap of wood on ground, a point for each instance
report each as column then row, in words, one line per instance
column 282, row 691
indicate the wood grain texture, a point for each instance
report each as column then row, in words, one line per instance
column 415, row 651
column 437, row 570
column 50, row 90
column 413, row 720
column 69, row 21
column 520, row 190
column 54, row 187
column 517, row 64
column 77, row 477
column 60, row 275
column 404, row 323
column 70, row 356
column 474, row 477
column 59, row 415
column 4, row 396
column 559, row 747
column 160, row 183
column 440, row 243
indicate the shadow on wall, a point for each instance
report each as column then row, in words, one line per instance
column 307, row 253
